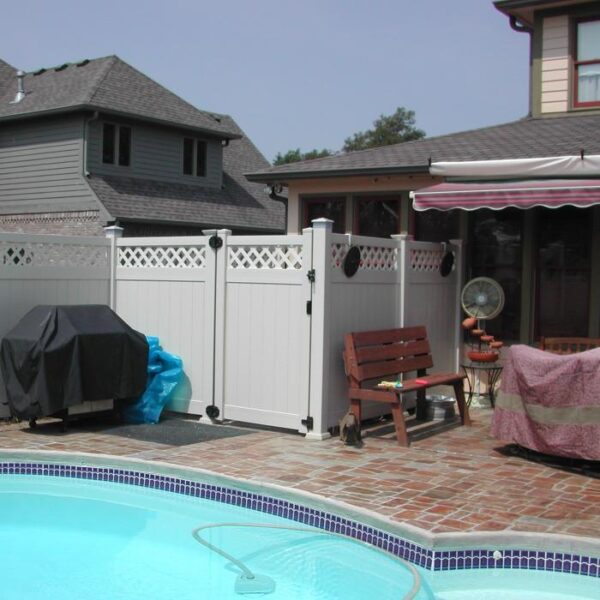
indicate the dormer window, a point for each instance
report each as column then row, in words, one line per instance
column 587, row 64
column 116, row 145
column 194, row 157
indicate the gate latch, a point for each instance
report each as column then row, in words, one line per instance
column 308, row 423
column 215, row 242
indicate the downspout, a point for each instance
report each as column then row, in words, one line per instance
column 274, row 196
column 86, row 136
column 515, row 25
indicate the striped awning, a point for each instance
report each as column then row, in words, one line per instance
column 520, row 194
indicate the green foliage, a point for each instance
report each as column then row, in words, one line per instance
column 297, row 155
column 392, row 129
column 387, row 130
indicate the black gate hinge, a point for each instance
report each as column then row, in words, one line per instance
column 308, row 423
column 309, row 307
column 312, row 275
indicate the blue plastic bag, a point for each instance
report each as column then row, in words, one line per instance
column 165, row 371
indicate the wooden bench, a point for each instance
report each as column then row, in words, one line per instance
column 568, row 345
column 371, row 356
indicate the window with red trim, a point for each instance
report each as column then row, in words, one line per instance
column 587, row 63
column 377, row 215
column 329, row 207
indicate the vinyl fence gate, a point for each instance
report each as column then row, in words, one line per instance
column 258, row 320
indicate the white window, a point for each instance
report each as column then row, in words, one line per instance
column 194, row 157
column 116, row 144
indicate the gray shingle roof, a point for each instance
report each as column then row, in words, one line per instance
column 129, row 199
column 526, row 138
column 240, row 204
column 7, row 75
column 107, row 84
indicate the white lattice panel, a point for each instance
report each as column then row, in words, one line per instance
column 425, row 260
column 43, row 254
column 162, row 257
column 372, row 258
column 265, row 257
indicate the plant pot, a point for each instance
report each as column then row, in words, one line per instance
column 482, row 356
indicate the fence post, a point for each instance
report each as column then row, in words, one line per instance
column 402, row 239
column 320, row 324
column 113, row 233
column 219, row 328
column 460, row 274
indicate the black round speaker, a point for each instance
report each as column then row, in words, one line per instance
column 352, row 261
column 447, row 264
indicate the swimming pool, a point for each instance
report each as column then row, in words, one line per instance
column 89, row 532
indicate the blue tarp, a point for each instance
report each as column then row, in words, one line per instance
column 165, row 371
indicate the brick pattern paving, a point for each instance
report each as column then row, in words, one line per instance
column 451, row 481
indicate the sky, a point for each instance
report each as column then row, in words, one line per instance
column 303, row 74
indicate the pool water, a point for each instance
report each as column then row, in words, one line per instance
column 88, row 540
column 508, row 584
column 84, row 540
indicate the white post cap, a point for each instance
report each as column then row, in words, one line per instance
column 113, row 231
column 322, row 223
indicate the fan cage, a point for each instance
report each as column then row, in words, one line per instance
column 482, row 298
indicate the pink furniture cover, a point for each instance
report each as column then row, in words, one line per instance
column 550, row 403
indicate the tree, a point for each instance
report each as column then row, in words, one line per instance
column 392, row 129
column 297, row 155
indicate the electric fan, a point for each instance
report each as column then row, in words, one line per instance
column 482, row 299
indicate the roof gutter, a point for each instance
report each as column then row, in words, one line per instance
column 519, row 27
column 284, row 176
column 70, row 109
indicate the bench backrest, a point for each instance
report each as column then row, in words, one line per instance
column 377, row 354
column 569, row 345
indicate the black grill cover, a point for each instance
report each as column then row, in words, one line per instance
column 60, row 356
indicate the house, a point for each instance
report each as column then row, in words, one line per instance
column 96, row 142
column 547, row 260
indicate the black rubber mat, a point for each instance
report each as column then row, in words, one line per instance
column 590, row 468
column 176, row 432
column 172, row 431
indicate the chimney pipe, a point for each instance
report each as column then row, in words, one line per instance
column 20, row 87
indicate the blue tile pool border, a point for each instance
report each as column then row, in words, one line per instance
column 436, row 560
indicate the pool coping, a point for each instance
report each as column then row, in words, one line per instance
column 432, row 551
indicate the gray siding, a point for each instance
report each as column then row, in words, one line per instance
column 41, row 167
column 156, row 153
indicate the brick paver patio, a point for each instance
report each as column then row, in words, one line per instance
column 452, row 481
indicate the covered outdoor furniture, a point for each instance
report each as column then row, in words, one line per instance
column 370, row 356
column 550, row 403
column 568, row 345
column 58, row 357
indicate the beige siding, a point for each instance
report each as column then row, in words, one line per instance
column 555, row 65
column 346, row 186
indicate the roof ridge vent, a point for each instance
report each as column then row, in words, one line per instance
column 20, row 87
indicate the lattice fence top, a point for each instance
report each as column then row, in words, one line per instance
column 425, row 260
column 372, row 258
column 161, row 257
column 48, row 254
column 265, row 257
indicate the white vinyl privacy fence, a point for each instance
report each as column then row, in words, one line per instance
column 259, row 321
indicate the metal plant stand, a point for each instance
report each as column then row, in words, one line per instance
column 472, row 370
